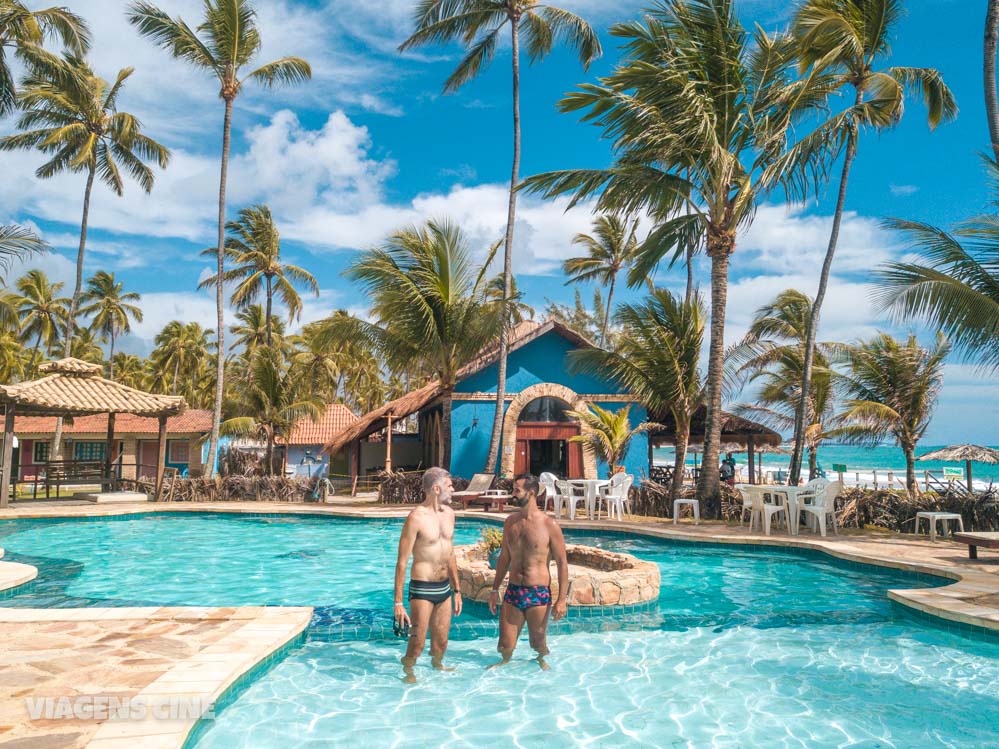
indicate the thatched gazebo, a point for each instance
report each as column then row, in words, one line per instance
column 968, row 453
column 735, row 432
column 72, row 387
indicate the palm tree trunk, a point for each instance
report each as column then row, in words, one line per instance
column 813, row 323
column 690, row 276
column 213, row 445
column 910, row 470
column 446, row 432
column 269, row 469
column 111, row 357
column 56, row 450
column 34, row 355
column 176, row 374
column 680, row 461
column 494, row 439
column 708, row 483
column 607, row 311
column 991, row 100
column 813, row 463
column 267, row 323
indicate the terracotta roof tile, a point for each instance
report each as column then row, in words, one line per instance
column 190, row 422
column 76, row 387
column 334, row 420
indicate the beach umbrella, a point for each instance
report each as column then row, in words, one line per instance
column 967, row 453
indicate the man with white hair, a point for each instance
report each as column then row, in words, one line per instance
column 428, row 537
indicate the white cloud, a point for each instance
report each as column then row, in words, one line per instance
column 783, row 240
column 903, row 190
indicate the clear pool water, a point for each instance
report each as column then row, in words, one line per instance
column 745, row 648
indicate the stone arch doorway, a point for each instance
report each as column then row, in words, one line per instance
column 511, row 443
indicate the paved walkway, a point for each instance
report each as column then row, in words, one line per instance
column 197, row 653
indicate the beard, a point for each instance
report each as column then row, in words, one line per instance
column 520, row 501
column 445, row 498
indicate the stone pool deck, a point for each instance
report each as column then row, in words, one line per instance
column 160, row 653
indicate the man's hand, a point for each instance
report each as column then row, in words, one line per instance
column 493, row 602
column 457, row 603
column 401, row 617
column 560, row 608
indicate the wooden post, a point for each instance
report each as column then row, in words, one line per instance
column 388, row 444
column 651, row 456
column 357, row 467
column 750, row 448
column 109, row 453
column 8, row 450
column 161, row 443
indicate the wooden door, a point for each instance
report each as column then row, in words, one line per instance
column 522, row 457
column 149, row 455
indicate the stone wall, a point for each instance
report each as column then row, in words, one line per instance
column 596, row 577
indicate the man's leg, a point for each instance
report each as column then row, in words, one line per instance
column 511, row 622
column 419, row 615
column 537, row 630
column 440, row 627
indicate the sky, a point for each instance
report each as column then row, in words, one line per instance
column 371, row 145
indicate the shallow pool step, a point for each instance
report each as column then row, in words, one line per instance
column 112, row 497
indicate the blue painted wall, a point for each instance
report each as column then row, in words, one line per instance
column 542, row 360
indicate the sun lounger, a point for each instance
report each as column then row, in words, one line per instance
column 477, row 487
column 974, row 540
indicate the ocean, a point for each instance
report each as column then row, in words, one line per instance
column 861, row 463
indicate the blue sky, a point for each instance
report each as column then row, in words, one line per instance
column 371, row 145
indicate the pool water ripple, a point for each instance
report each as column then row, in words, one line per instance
column 744, row 648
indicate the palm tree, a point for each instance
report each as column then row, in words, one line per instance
column 252, row 331
column 182, row 349
column 429, row 305
column 890, row 389
column 612, row 249
column 17, row 242
column 42, row 312
column 272, row 402
column 224, row 44
column 254, row 247
column 71, row 113
column 478, row 24
column 991, row 99
column 656, row 359
column 847, row 39
column 87, row 346
column 608, row 434
column 110, row 309
column 772, row 353
column 129, row 370
column 954, row 286
column 11, row 355
column 699, row 113
column 517, row 309
column 25, row 29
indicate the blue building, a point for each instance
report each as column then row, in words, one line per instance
column 537, row 427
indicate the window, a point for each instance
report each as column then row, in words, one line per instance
column 546, row 410
column 89, row 450
column 41, row 452
column 179, row 452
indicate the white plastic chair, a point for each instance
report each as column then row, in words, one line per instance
column 548, row 480
column 806, row 496
column 569, row 495
column 616, row 494
column 747, row 503
column 824, row 505
column 764, row 511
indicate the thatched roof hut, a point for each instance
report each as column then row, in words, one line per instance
column 968, row 453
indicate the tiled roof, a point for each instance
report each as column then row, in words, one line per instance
column 334, row 420
column 189, row 422
column 74, row 387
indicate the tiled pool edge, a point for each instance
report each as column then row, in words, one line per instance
column 14, row 576
column 208, row 676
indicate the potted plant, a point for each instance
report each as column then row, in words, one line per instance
column 492, row 540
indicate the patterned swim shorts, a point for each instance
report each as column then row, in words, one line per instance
column 528, row 596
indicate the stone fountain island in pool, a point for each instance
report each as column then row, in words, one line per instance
column 596, row 577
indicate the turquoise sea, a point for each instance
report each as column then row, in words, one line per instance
column 859, row 459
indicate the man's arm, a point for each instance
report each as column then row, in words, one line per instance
column 455, row 582
column 556, row 544
column 406, row 542
column 502, row 566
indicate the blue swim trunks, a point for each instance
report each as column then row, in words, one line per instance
column 528, row 596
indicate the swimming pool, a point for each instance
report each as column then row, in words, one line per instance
column 745, row 647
